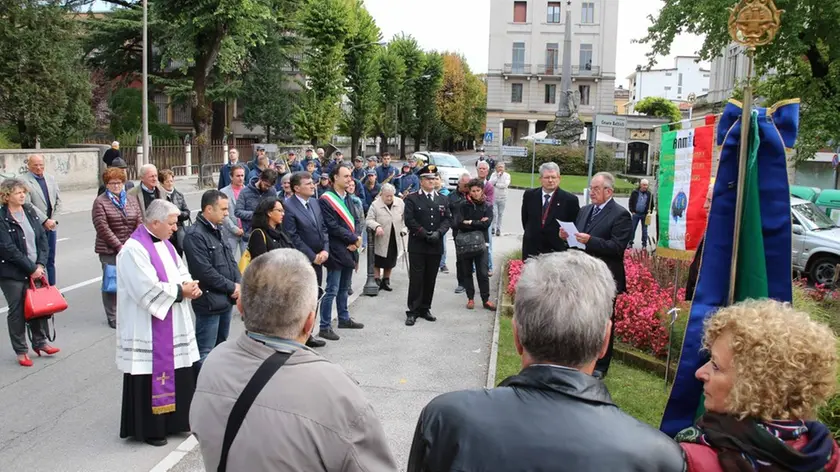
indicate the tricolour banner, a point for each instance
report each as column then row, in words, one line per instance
column 685, row 167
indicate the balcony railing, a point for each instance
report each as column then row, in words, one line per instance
column 550, row 69
column 517, row 69
column 593, row 71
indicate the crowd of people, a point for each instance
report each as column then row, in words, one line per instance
column 263, row 248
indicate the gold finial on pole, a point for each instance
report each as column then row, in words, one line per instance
column 752, row 23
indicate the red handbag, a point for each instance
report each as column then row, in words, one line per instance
column 43, row 301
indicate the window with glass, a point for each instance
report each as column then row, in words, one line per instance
column 516, row 93
column 550, row 93
column 520, row 12
column 585, row 57
column 518, row 58
column 587, row 12
column 553, row 12
column 584, row 94
column 552, row 57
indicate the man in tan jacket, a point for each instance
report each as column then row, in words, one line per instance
column 310, row 415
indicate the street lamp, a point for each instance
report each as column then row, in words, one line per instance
column 145, row 136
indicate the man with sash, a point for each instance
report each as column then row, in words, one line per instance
column 345, row 240
column 156, row 346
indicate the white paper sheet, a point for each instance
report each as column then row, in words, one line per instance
column 570, row 228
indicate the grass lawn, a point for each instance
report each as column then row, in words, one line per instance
column 638, row 393
column 569, row 183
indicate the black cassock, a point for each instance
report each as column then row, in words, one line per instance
column 426, row 218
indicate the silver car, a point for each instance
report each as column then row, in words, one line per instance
column 449, row 167
column 816, row 242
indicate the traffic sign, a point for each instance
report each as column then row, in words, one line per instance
column 547, row 141
column 610, row 121
column 488, row 136
column 514, row 151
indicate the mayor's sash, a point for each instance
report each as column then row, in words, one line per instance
column 163, row 350
column 338, row 204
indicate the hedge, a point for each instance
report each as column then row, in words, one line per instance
column 570, row 159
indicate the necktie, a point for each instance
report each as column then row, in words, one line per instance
column 547, row 198
column 429, row 196
column 595, row 211
column 311, row 211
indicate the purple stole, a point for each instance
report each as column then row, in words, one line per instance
column 163, row 349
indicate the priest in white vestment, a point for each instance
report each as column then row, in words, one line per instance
column 156, row 346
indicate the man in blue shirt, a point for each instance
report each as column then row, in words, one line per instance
column 386, row 172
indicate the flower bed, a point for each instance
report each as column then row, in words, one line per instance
column 641, row 313
column 514, row 269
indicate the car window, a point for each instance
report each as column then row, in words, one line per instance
column 445, row 160
column 812, row 217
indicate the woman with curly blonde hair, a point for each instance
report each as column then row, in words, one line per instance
column 771, row 367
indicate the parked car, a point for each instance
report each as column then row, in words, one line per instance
column 816, row 242
column 449, row 167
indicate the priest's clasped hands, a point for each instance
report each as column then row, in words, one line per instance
column 190, row 289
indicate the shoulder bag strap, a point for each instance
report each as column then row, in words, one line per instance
column 237, row 415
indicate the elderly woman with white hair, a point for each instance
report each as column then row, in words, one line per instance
column 385, row 217
column 156, row 346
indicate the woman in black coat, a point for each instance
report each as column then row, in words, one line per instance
column 268, row 233
column 23, row 256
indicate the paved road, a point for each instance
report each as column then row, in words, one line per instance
column 63, row 413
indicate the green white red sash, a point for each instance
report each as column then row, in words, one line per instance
column 337, row 203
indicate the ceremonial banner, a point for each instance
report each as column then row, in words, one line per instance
column 764, row 256
column 685, row 167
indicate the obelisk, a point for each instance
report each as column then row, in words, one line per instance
column 567, row 125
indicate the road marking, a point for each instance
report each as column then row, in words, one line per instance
column 66, row 289
column 173, row 458
column 61, row 239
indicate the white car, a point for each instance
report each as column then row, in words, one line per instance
column 449, row 167
column 816, row 242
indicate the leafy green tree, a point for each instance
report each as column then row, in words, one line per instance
column 659, row 107
column 324, row 26
column 425, row 96
column 126, row 106
column 803, row 61
column 460, row 101
column 362, row 86
column 406, row 47
column 269, row 102
column 391, row 75
column 45, row 92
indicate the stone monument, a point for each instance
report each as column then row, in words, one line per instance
column 567, row 124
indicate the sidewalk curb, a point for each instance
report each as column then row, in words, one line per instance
column 494, row 344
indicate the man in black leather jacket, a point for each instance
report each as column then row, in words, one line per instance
column 554, row 415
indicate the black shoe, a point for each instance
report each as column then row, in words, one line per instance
column 498, row 233
column 157, row 442
column 314, row 342
column 444, row 269
column 350, row 291
column 112, row 324
column 350, row 324
column 410, row 320
column 460, row 289
column 386, row 285
column 328, row 334
column 428, row 316
column 378, row 281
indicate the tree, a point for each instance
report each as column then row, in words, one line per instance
column 126, row 106
column 325, row 26
column 362, row 86
column 460, row 101
column 425, row 96
column 409, row 51
column 659, row 107
column 803, row 61
column 45, row 92
column 269, row 101
column 391, row 75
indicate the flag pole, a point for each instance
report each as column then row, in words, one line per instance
column 752, row 23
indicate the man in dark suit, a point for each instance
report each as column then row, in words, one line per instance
column 541, row 208
column 606, row 229
column 345, row 242
column 427, row 217
column 305, row 225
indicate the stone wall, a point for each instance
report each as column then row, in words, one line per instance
column 73, row 169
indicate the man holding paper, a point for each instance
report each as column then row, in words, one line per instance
column 605, row 228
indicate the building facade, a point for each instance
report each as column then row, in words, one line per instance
column 622, row 98
column 676, row 84
column 526, row 63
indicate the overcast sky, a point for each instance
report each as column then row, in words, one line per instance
column 464, row 26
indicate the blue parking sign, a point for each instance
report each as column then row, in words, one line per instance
column 488, row 136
